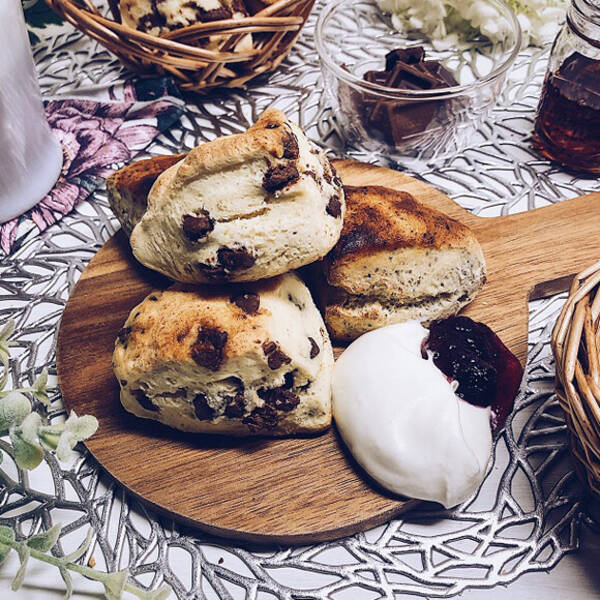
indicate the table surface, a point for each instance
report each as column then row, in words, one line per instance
column 526, row 534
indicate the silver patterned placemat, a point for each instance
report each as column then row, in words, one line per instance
column 525, row 517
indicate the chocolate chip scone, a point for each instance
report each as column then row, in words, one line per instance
column 160, row 16
column 240, row 208
column 246, row 359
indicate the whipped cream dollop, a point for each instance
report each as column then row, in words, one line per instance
column 399, row 416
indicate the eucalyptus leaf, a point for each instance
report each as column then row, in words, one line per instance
column 6, row 331
column 28, row 455
column 66, row 443
column 46, row 540
column 81, row 427
column 30, row 427
column 82, row 549
column 48, row 439
column 6, row 533
column 24, row 554
column 66, row 576
column 14, row 407
column 39, row 388
column 114, row 584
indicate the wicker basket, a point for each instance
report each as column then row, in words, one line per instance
column 576, row 347
column 274, row 30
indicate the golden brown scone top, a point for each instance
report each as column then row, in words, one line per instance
column 137, row 179
column 270, row 135
column 213, row 324
column 380, row 218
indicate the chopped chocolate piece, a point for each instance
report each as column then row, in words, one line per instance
column 236, row 406
column 235, row 259
column 123, row 335
column 280, row 176
column 208, row 349
column 280, row 399
column 272, row 126
column 211, row 271
column 248, row 302
column 275, row 357
column 288, row 380
column 153, row 298
column 334, row 206
column 409, row 56
column 269, row 347
column 262, row 417
column 202, row 409
column 215, row 14
column 377, row 77
column 144, row 401
column 123, row 382
column 314, row 348
column 195, row 227
column 290, row 147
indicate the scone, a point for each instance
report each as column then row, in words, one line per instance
column 156, row 17
column 240, row 208
column 397, row 260
column 251, row 359
column 128, row 188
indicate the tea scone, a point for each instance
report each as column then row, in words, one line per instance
column 161, row 16
column 246, row 359
column 242, row 207
column 128, row 188
column 397, row 260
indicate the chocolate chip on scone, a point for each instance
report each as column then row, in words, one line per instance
column 197, row 226
column 275, row 190
column 204, row 359
column 314, row 348
column 208, row 348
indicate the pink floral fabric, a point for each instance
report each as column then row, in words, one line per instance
column 96, row 137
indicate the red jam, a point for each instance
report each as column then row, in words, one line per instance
column 487, row 372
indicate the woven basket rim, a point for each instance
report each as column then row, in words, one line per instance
column 274, row 30
column 576, row 348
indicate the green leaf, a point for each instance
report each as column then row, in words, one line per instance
column 6, row 331
column 14, row 407
column 28, row 455
column 68, row 582
column 66, row 443
column 162, row 593
column 24, row 558
column 81, row 427
column 39, row 388
column 82, row 549
column 114, row 584
column 45, row 541
column 30, row 427
column 6, row 533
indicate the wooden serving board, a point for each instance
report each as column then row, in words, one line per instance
column 297, row 490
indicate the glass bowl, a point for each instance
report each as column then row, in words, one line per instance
column 354, row 36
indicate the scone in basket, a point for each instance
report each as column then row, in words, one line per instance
column 227, row 52
column 576, row 347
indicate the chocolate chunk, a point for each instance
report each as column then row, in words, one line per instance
column 208, row 349
column 262, row 417
column 334, row 206
column 280, row 399
column 314, row 348
column 212, row 272
column 153, row 298
column 280, row 176
column 248, row 302
column 290, row 147
column 202, row 409
column 406, row 55
column 144, row 401
column 123, row 383
column 214, row 14
column 123, row 335
column 195, row 227
column 272, row 126
column 269, row 347
column 236, row 406
column 235, row 259
column 275, row 357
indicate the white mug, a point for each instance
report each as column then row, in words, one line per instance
column 30, row 155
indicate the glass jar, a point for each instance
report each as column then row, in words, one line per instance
column 567, row 125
